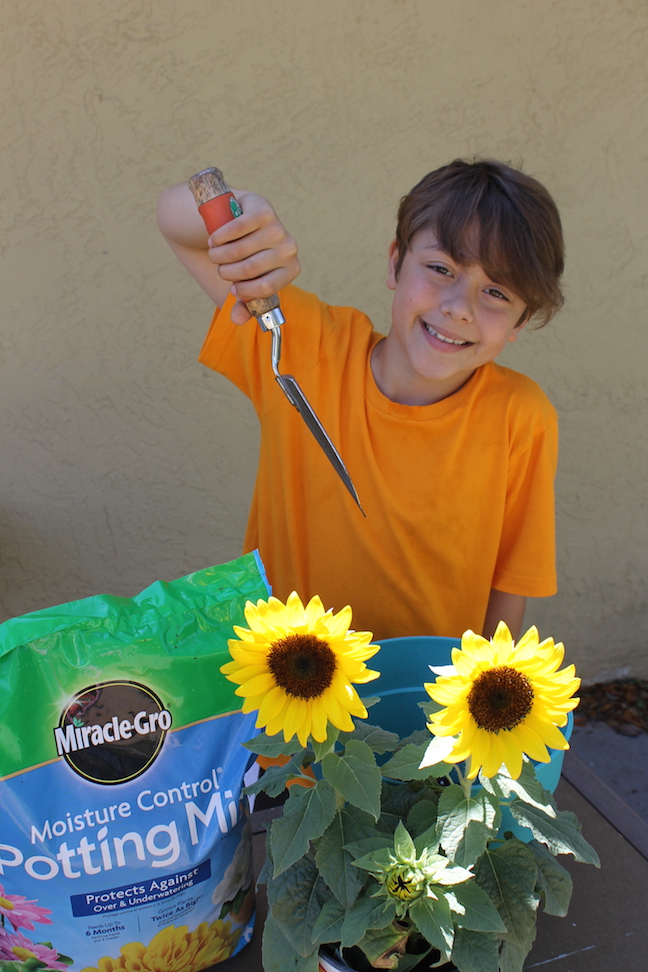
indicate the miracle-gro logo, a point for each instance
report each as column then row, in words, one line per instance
column 112, row 732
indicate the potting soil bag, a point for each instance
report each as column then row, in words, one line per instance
column 123, row 842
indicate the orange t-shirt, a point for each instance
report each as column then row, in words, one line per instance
column 458, row 495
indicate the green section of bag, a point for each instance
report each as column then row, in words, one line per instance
column 91, row 640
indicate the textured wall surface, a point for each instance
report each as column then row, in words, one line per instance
column 123, row 460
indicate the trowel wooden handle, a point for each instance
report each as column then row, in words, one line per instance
column 217, row 205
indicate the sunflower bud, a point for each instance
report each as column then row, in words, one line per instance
column 404, row 883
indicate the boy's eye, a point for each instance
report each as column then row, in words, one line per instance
column 439, row 268
column 494, row 292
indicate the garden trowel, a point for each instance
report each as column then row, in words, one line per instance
column 217, row 205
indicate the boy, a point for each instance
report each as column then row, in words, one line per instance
column 453, row 456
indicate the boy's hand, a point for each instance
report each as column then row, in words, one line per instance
column 250, row 256
column 255, row 252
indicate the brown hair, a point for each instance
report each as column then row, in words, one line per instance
column 488, row 213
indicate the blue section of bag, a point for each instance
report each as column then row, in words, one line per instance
column 111, row 865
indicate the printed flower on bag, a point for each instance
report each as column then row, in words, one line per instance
column 21, row 912
column 502, row 700
column 176, row 950
column 19, row 948
column 295, row 664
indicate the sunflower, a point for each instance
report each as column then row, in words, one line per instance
column 502, row 700
column 295, row 664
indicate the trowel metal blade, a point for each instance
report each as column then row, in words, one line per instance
column 296, row 397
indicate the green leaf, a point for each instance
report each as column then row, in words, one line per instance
column 328, row 927
column 403, row 843
column 307, row 814
column 265, row 874
column 451, row 875
column 422, row 817
column 364, row 914
column 417, row 738
column 562, row 833
column 397, row 801
column 475, row 952
column 427, row 841
column 273, row 746
column 378, row 844
column 355, row 776
column 508, row 875
column 335, row 863
column 512, row 956
column 321, row 749
column 554, row 882
column 32, row 964
column 474, row 909
column 456, row 811
column 379, row 859
column 411, row 961
column 29, row 965
column 296, row 900
column 473, row 843
column 278, row 955
column 379, row 740
column 434, row 921
column 274, row 780
column 527, row 788
column 376, row 942
column 437, row 751
column 370, row 701
column 430, row 707
column 404, row 764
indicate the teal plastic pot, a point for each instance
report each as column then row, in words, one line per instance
column 404, row 665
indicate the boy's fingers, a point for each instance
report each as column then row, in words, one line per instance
column 271, row 240
column 254, row 252
column 255, row 265
column 264, row 286
column 257, row 214
column 239, row 313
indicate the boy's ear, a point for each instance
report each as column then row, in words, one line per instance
column 393, row 260
column 513, row 336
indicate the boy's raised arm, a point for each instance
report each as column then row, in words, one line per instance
column 253, row 254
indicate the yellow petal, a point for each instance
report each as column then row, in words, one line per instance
column 511, row 752
column 293, row 717
column 259, row 684
column 271, row 705
column 320, row 719
column 530, row 742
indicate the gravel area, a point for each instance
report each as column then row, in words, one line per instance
column 622, row 704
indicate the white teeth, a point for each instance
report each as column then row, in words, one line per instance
column 446, row 340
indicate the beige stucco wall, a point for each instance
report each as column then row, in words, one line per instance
column 123, row 460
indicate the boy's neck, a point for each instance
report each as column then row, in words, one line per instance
column 410, row 392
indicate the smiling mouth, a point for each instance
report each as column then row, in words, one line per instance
column 443, row 339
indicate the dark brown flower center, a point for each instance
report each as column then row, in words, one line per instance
column 500, row 698
column 302, row 665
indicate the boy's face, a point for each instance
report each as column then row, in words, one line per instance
column 447, row 320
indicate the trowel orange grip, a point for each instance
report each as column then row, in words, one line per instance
column 214, row 198
column 217, row 205
column 216, row 212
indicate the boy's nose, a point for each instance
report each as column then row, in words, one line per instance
column 457, row 303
